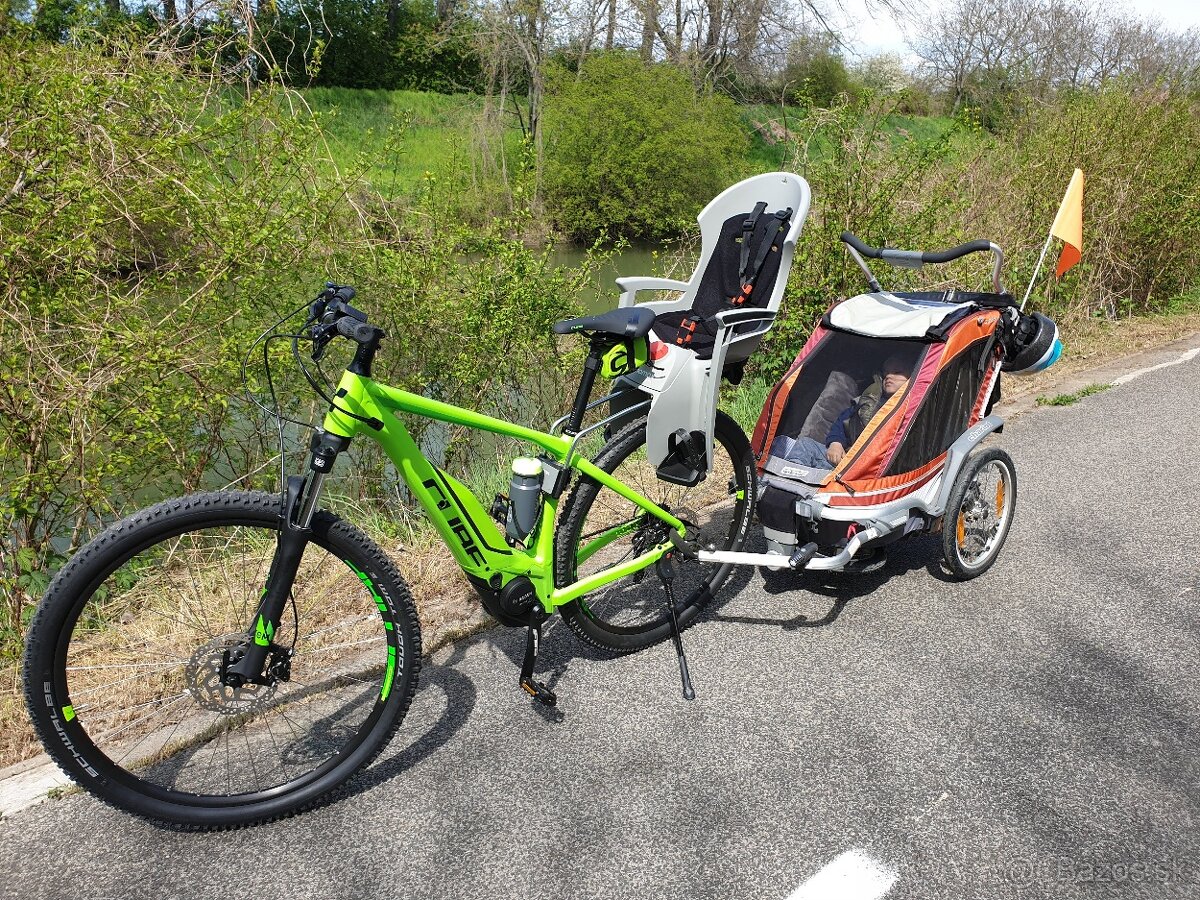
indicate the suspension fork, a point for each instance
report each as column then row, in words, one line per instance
column 300, row 504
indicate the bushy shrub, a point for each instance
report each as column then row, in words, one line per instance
column 888, row 188
column 1138, row 150
column 152, row 223
column 632, row 149
column 822, row 80
column 148, row 217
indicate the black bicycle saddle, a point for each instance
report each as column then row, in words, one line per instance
column 627, row 323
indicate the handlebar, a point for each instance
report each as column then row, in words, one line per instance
column 331, row 314
column 915, row 259
column 916, row 256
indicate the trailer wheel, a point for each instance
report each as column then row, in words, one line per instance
column 979, row 513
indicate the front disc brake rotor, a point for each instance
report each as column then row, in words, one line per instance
column 203, row 673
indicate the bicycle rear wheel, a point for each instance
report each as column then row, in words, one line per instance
column 600, row 529
column 124, row 658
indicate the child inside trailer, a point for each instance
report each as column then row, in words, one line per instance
column 847, row 427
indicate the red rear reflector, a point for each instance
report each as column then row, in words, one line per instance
column 658, row 350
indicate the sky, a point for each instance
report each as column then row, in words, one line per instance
column 881, row 34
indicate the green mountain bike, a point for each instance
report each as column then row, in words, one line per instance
column 228, row 658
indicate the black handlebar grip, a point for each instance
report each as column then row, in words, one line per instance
column 359, row 332
column 942, row 256
column 867, row 250
column 345, row 293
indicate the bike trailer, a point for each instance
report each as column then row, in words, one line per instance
column 904, row 449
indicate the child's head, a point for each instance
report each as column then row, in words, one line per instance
column 895, row 375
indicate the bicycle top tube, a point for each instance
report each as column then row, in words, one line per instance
column 360, row 395
column 375, row 401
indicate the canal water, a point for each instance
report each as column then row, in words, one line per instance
column 639, row 260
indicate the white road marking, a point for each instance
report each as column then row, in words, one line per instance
column 853, row 875
column 23, row 790
column 1188, row 355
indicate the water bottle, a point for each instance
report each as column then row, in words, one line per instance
column 525, row 497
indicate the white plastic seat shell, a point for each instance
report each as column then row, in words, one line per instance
column 682, row 387
column 780, row 190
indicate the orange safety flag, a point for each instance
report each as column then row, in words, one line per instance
column 1068, row 225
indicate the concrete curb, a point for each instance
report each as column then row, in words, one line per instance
column 28, row 783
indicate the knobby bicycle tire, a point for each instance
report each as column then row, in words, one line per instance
column 631, row 614
column 123, row 660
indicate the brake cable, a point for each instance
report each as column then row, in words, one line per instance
column 265, row 339
column 317, row 387
column 275, row 410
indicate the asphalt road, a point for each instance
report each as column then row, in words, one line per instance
column 1033, row 733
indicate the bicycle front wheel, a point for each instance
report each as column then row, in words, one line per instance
column 601, row 529
column 124, row 659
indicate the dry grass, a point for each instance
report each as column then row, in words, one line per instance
column 17, row 741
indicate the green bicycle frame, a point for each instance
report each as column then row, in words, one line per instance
column 478, row 546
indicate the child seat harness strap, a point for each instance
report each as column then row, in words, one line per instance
column 747, row 234
column 748, row 270
column 783, row 216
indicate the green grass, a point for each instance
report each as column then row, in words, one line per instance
column 762, row 155
column 1183, row 304
column 435, row 133
column 920, row 128
column 1068, row 399
column 416, row 135
column 745, row 402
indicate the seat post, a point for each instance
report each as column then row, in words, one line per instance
column 590, row 367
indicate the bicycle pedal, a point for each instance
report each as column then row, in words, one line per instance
column 539, row 692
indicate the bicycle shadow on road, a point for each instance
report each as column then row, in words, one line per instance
column 460, row 696
column 841, row 588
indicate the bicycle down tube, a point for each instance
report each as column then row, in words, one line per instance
column 477, row 545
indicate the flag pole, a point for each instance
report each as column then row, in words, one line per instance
column 1036, row 270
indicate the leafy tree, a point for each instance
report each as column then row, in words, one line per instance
column 815, row 72
column 632, row 149
column 372, row 44
column 821, row 80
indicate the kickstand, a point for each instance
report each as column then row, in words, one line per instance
column 533, row 641
column 667, row 567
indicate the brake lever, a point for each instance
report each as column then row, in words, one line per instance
column 321, row 334
column 324, row 313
